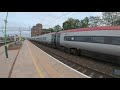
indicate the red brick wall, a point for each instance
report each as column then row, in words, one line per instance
column 36, row 30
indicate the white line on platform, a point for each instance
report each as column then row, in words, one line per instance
column 65, row 64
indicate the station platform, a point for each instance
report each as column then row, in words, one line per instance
column 31, row 62
column 6, row 63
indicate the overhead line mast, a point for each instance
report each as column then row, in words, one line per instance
column 6, row 50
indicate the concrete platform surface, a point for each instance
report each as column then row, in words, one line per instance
column 24, row 67
column 6, row 63
column 2, row 48
column 32, row 62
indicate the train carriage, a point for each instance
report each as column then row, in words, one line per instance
column 99, row 42
column 103, row 40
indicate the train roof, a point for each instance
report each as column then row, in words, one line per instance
column 93, row 29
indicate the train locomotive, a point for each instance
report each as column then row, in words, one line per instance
column 98, row 42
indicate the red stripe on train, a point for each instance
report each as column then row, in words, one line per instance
column 93, row 29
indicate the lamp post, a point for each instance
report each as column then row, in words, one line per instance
column 6, row 51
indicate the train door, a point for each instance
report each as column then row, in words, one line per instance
column 57, row 39
column 53, row 41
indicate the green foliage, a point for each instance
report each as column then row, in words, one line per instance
column 22, row 38
column 95, row 21
column 117, row 22
column 71, row 24
column 110, row 18
column 57, row 28
column 51, row 29
column 85, row 22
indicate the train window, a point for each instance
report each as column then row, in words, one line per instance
column 97, row 39
column 79, row 38
column 82, row 38
column 67, row 38
column 64, row 38
column 44, row 38
column 116, row 40
column 94, row 39
column 108, row 40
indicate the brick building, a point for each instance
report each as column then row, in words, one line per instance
column 36, row 30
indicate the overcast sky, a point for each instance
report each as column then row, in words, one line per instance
column 25, row 20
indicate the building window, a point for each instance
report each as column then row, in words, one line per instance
column 67, row 38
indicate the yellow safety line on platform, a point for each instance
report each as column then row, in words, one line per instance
column 36, row 66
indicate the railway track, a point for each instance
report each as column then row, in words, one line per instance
column 94, row 73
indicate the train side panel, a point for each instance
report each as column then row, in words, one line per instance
column 95, row 47
column 46, row 38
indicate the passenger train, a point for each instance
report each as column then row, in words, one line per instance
column 98, row 42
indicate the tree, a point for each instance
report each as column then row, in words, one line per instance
column 85, row 22
column 95, row 21
column 57, row 28
column 110, row 18
column 51, row 29
column 71, row 23
column 117, row 22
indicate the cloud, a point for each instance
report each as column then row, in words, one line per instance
column 48, row 19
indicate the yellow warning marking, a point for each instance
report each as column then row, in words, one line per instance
column 36, row 66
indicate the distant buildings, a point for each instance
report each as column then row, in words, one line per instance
column 9, row 38
column 36, row 30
